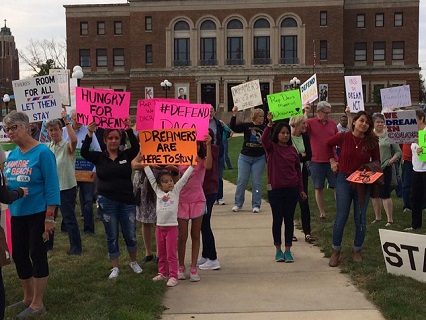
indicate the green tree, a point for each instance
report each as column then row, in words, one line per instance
column 422, row 91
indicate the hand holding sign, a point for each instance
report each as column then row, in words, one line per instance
column 269, row 117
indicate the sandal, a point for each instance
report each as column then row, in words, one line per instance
column 294, row 239
column 309, row 239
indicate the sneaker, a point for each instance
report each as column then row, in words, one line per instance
column 288, row 257
column 220, row 202
column 193, row 275
column 147, row 259
column 235, row 208
column 173, row 282
column 181, row 273
column 210, row 265
column 256, row 210
column 410, row 229
column 279, row 256
column 114, row 273
column 201, row 261
column 135, row 267
column 159, row 277
column 406, row 210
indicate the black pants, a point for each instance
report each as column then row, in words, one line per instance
column 209, row 245
column 2, row 296
column 418, row 193
column 305, row 212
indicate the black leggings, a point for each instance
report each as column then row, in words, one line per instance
column 2, row 296
column 29, row 249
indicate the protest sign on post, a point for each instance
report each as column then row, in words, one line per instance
column 395, row 97
column 107, row 108
column 401, row 126
column 38, row 97
column 309, row 90
column 404, row 253
column 354, row 96
column 285, row 104
column 173, row 147
column 63, row 77
column 181, row 114
column 247, row 95
column 422, row 144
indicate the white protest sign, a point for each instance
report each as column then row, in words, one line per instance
column 401, row 126
column 395, row 97
column 404, row 253
column 309, row 90
column 38, row 97
column 247, row 95
column 354, row 96
column 73, row 85
column 63, row 77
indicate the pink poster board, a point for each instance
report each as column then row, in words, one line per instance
column 107, row 108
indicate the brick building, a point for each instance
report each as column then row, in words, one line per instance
column 9, row 61
column 206, row 47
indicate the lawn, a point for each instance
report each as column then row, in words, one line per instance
column 397, row 297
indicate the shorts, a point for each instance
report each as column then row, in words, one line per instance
column 385, row 189
column 192, row 210
column 320, row 171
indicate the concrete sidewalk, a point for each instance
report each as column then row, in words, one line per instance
column 251, row 285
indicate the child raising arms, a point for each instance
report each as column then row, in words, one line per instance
column 166, row 231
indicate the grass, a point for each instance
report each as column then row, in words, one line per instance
column 397, row 297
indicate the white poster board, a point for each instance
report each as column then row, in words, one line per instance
column 309, row 90
column 247, row 95
column 354, row 96
column 63, row 77
column 404, row 253
column 38, row 97
column 149, row 92
column 401, row 126
column 395, row 97
column 73, row 85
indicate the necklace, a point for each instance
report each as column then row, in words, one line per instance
column 357, row 144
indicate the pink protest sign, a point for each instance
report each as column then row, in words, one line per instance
column 181, row 115
column 107, row 108
column 145, row 112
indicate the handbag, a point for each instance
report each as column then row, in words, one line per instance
column 4, row 250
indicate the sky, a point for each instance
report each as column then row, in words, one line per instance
column 45, row 19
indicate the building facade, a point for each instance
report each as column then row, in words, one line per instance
column 9, row 61
column 206, row 47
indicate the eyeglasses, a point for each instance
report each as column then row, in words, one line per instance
column 113, row 138
column 11, row 128
column 325, row 112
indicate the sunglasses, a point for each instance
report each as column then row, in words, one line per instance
column 11, row 128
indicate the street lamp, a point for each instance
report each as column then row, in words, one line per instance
column 166, row 85
column 6, row 100
column 77, row 72
column 295, row 83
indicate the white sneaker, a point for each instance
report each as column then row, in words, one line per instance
column 220, row 202
column 159, row 277
column 181, row 273
column 201, row 261
column 193, row 275
column 256, row 210
column 235, row 208
column 173, row 282
column 210, row 265
column 406, row 210
column 135, row 267
column 114, row 273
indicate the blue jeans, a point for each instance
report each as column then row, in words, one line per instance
column 112, row 213
column 254, row 167
column 407, row 173
column 69, row 219
column 86, row 205
column 344, row 196
column 221, row 165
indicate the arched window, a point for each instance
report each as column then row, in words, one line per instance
column 261, row 42
column 289, row 23
column 181, row 25
column 234, row 43
column 261, row 24
column 289, row 44
column 208, row 25
column 235, row 24
column 208, row 49
column 181, row 44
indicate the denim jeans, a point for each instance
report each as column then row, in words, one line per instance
column 68, row 215
column 344, row 196
column 398, row 189
column 254, row 167
column 209, row 246
column 86, row 205
column 221, row 165
column 114, row 213
column 407, row 173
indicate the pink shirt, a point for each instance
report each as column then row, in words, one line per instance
column 318, row 133
column 193, row 190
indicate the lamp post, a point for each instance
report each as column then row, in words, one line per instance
column 77, row 72
column 6, row 100
column 295, row 83
column 166, row 85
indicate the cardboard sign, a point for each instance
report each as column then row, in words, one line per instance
column 73, row 86
column 395, row 97
column 63, row 77
column 179, row 114
column 174, row 147
column 3, row 136
column 285, row 104
column 365, row 177
column 401, row 126
column 309, row 90
column 422, row 144
column 404, row 253
column 107, row 108
column 354, row 96
column 38, row 97
column 247, row 95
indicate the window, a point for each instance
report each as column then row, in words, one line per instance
column 235, row 24
column 289, row 50
column 101, row 28
column 261, row 41
column 208, row 51
column 380, row 20
column 101, row 58
column 118, row 27
column 208, row 25
column 148, row 53
column 148, row 23
column 379, row 49
column 84, row 57
column 261, row 24
column 360, row 20
column 261, row 48
column 84, row 28
column 181, row 25
column 360, row 51
column 234, row 54
column 398, row 50
column 323, row 49
column 398, row 19
column 289, row 23
column 182, row 55
column 118, row 57
column 323, row 18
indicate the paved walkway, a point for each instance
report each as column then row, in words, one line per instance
column 251, row 285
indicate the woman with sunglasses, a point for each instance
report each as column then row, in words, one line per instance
column 116, row 201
